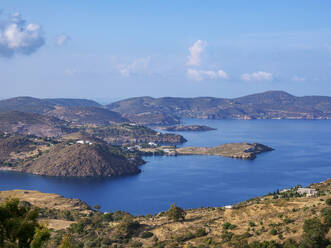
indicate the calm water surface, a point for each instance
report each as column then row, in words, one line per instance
column 302, row 155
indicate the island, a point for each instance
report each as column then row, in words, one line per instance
column 242, row 150
column 193, row 128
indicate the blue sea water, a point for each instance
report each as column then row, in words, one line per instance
column 302, row 155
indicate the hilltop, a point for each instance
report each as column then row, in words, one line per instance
column 84, row 115
column 267, row 105
column 72, row 158
column 82, row 160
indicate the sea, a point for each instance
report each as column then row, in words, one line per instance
column 302, row 156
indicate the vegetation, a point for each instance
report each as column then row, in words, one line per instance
column 19, row 226
column 176, row 213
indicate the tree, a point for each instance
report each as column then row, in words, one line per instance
column 97, row 207
column 19, row 226
column 314, row 234
column 176, row 213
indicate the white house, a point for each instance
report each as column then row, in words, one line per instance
column 84, row 142
column 307, row 191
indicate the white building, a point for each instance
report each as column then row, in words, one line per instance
column 84, row 142
column 307, row 191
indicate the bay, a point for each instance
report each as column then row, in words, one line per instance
column 302, row 155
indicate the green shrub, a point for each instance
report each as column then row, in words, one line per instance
column 176, row 213
column 200, row 232
column 273, row 231
column 328, row 201
column 146, row 235
column 228, row 225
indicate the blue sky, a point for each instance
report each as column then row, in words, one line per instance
column 108, row 50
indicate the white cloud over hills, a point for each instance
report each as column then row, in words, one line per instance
column 199, row 75
column 18, row 37
column 194, row 59
column 134, row 67
column 257, row 76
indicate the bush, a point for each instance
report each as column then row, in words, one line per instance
column 97, row 207
column 328, row 201
column 19, row 225
column 146, row 235
column 314, row 233
column 226, row 236
column 176, row 213
column 200, row 232
column 252, row 224
column 273, row 231
column 228, row 225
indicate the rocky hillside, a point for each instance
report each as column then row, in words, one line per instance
column 84, row 115
column 30, row 123
column 82, row 160
column 133, row 134
column 267, row 105
column 13, row 144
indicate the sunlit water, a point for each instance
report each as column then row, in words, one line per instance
column 302, row 155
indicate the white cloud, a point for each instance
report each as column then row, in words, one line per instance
column 17, row 37
column 199, row 75
column 62, row 39
column 194, row 59
column 257, row 76
column 136, row 66
column 298, row 79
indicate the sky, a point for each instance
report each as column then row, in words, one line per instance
column 110, row 50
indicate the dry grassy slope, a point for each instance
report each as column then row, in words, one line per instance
column 267, row 210
column 48, row 201
column 262, row 211
column 45, row 200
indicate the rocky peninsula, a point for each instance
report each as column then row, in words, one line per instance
column 193, row 128
column 232, row 150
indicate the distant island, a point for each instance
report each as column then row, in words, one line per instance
column 170, row 110
column 193, row 128
column 267, row 105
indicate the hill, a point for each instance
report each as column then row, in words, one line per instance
column 84, row 115
column 82, row 160
column 40, row 106
column 267, row 105
column 35, row 124
column 132, row 134
column 79, row 111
